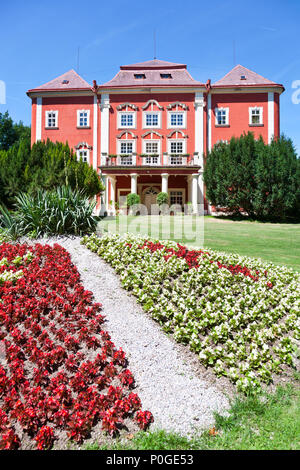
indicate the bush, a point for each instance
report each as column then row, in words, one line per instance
column 246, row 174
column 162, row 198
column 133, row 199
column 44, row 166
column 56, row 212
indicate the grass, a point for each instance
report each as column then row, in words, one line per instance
column 266, row 422
column 278, row 243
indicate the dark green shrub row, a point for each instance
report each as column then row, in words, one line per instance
column 263, row 180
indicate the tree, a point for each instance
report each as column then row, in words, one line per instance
column 277, row 179
column 229, row 174
column 45, row 166
column 262, row 180
column 8, row 132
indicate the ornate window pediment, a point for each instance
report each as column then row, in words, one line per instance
column 176, row 104
column 131, row 135
column 84, row 145
column 127, row 105
column 176, row 134
column 151, row 103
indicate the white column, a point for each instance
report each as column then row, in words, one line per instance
column 95, row 133
column 164, row 182
column 134, row 183
column 271, row 117
column 195, row 177
column 209, row 122
column 113, row 193
column 199, row 137
column 104, row 106
column 38, row 126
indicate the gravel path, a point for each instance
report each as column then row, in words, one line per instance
column 167, row 385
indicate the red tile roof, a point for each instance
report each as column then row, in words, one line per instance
column 241, row 76
column 68, row 81
column 152, row 70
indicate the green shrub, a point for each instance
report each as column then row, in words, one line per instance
column 133, row 199
column 162, row 198
column 57, row 212
column 44, row 166
column 263, row 180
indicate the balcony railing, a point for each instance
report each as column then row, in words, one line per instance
column 149, row 160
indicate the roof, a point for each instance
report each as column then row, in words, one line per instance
column 152, row 64
column 68, row 81
column 151, row 72
column 241, row 76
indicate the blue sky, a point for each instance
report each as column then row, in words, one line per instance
column 39, row 41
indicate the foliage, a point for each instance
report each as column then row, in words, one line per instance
column 270, row 421
column 60, row 211
column 133, row 199
column 60, row 370
column 162, row 198
column 10, row 132
column 239, row 315
column 45, row 166
column 246, row 174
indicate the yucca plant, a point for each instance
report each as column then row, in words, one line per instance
column 57, row 212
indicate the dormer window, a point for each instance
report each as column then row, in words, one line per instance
column 165, row 75
column 139, row 76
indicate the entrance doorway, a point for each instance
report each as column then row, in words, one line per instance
column 150, row 195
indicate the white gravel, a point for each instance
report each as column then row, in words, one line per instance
column 167, row 385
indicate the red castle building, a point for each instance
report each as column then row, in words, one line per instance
column 148, row 129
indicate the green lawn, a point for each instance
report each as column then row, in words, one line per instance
column 269, row 422
column 278, row 243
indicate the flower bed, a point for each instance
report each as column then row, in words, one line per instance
column 240, row 315
column 61, row 377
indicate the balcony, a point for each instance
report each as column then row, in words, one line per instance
column 149, row 160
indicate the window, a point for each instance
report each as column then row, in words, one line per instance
column 165, row 75
column 176, row 197
column 83, row 154
column 83, row 118
column 126, row 119
column 126, row 148
column 177, row 119
column 139, row 76
column 151, row 119
column 222, row 116
column 151, row 160
column 51, row 119
column 151, row 147
column 256, row 116
column 176, row 147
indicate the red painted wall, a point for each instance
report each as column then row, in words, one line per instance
column 139, row 100
column 238, row 105
column 67, row 107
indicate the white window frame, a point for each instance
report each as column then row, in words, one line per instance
column 226, row 116
column 158, row 121
column 87, row 111
column 183, row 146
column 120, row 113
column 127, row 141
column 182, row 126
column 55, row 112
column 152, row 141
column 78, row 152
column 261, row 120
